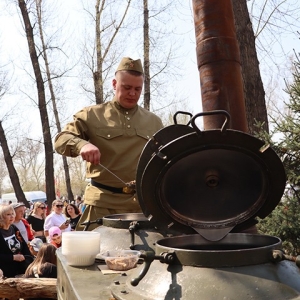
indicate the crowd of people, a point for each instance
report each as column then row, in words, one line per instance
column 28, row 239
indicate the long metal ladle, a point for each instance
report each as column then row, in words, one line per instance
column 129, row 187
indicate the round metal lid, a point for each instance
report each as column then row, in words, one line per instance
column 210, row 181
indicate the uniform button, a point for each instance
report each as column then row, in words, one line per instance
column 126, row 112
column 128, row 118
column 148, row 136
column 108, row 135
column 128, row 126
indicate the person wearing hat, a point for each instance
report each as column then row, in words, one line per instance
column 55, row 236
column 21, row 223
column 35, row 245
column 114, row 134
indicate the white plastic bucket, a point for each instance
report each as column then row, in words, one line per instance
column 80, row 247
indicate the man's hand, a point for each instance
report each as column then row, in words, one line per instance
column 90, row 153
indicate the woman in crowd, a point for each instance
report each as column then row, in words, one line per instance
column 44, row 264
column 72, row 212
column 14, row 253
column 37, row 219
column 56, row 218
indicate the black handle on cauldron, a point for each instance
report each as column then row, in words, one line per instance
column 183, row 113
column 149, row 257
column 279, row 255
column 209, row 113
column 88, row 223
column 132, row 228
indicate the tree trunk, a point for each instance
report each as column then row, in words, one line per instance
column 102, row 52
column 97, row 74
column 254, row 93
column 49, row 169
column 15, row 288
column 53, row 99
column 11, row 169
column 146, row 57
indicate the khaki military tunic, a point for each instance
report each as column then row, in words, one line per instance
column 120, row 134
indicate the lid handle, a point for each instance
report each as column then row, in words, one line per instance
column 183, row 113
column 209, row 113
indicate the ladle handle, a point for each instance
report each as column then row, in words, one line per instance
column 209, row 113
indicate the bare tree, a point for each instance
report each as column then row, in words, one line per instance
column 101, row 56
column 52, row 93
column 42, row 104
column 3, row 173
column 254, row 94
column 11, row 169
column 147, row 81
column 77, row 173
column 28, row 159
column 161, row 52
column 4, row 87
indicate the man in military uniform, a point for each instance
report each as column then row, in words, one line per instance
column 113, row 134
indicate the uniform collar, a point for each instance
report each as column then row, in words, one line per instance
column 122, row 109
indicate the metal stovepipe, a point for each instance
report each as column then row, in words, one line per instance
column 218, row 60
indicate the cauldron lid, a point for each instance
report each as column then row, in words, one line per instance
column 209, row 180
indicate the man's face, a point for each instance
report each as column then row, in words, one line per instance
column 20, row 211
column 128, row 89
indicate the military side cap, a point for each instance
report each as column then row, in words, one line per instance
column 128, row 64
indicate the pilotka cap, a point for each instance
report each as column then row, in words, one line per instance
column 128, row 64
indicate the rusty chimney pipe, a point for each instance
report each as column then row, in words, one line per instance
column 218, row 61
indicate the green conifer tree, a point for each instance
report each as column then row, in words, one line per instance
column 284, row 221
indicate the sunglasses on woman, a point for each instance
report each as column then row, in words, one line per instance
column 59, row 205
column 42, row 207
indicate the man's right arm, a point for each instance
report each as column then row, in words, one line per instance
column 73, row 141
column 68, row 144
column 73, row 137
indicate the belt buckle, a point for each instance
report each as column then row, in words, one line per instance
column 128, row 190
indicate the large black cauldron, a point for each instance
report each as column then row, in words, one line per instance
column 214, row 182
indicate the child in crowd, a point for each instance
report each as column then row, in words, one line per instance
column 55, row 236
column 35, row 245
column 44, row 264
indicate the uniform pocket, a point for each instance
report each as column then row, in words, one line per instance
column 109, row 133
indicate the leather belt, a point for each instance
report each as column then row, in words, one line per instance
column 124, row 190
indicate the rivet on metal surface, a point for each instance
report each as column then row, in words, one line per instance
column 161, row 155
column 170, row 225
